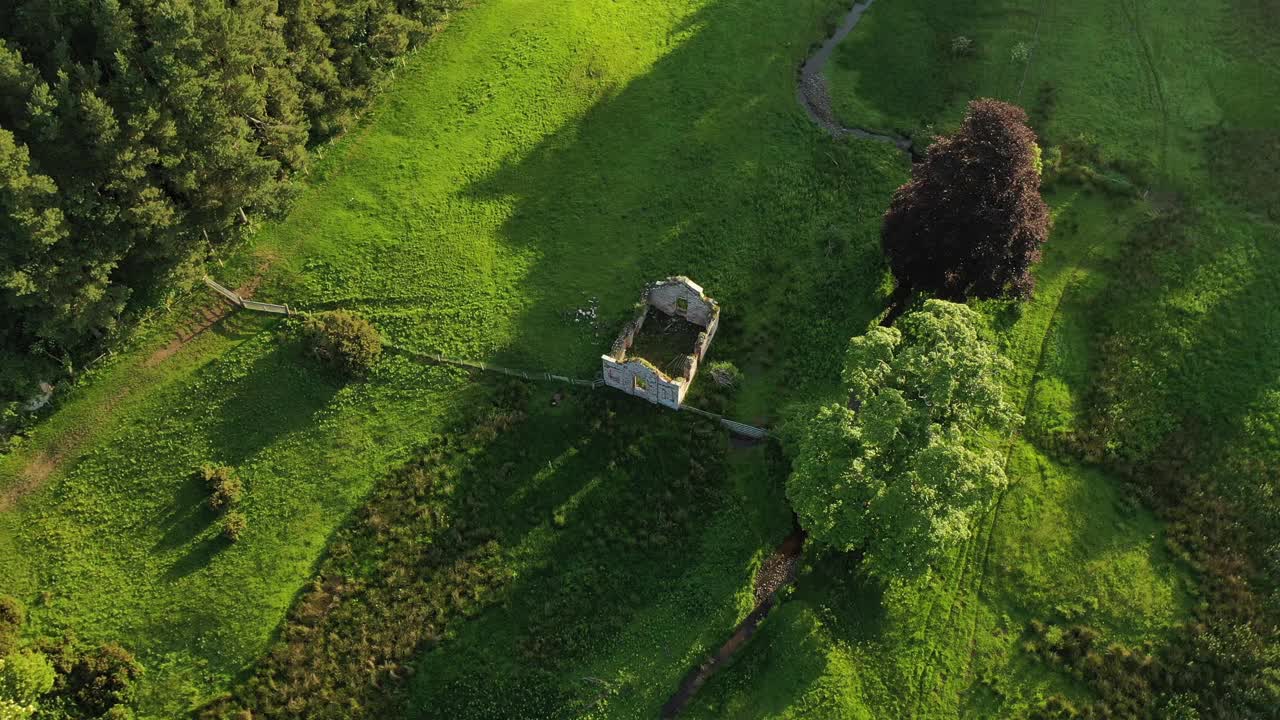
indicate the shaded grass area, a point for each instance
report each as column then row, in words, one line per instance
column 508, row 521
column 1146, row 336
column 533, row 161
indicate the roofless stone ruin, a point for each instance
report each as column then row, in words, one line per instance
column 658, row 353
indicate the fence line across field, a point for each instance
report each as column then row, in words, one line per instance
column 439, row 359
column 238, row 301
column 732, row 426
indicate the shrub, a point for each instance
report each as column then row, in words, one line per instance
column 103, row 678
column 12, row 616
column 225, row 488
column 343, row 340
column 234, row 525
column 961, row 46
column 24, row 677
column 1020, row 53
column 11, row 611
column 725, row 374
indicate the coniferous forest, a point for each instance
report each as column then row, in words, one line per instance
column 136, row 137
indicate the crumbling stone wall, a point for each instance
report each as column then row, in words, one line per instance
column 680, row 297
column 696, row 307
column 639, row 378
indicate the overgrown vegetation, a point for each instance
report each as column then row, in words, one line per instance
column 342, row 340
column 62, row 679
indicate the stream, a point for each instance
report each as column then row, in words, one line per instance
column 779, row 569
column 815, row 97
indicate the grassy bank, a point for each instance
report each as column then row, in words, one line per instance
column 1138, row 354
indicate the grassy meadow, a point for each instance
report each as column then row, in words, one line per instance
column 532, row 161
column 1144, row 341
column 540, row 159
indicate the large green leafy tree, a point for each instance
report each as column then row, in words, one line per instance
column 905, row 468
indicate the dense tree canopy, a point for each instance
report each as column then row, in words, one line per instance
column 970, row 222
column 906, row 467
column 135, row 134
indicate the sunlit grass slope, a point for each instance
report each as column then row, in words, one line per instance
column 534, row 160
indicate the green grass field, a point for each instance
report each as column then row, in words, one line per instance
column 541, row 158
column 1181, row 279
column 532, row 161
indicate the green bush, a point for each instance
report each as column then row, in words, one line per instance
column 103, row 678
column 234, row 525
column 11, row 611
column 12, row 616
column 225, row 489
column 343, row 340
column 24, row 677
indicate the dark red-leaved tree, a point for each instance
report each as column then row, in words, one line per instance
column 971, row 221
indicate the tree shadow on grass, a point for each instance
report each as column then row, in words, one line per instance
column 197, row 558
column 622, row 543
column 186, row 516
column 705, row 166
column 279, row 394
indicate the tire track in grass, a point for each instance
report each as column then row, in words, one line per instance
column 990, row 521
column 932, row 652
column 1132, row 15
column 1075, row 273
column 813, row 95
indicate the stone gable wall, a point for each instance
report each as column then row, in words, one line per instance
column 666, row 294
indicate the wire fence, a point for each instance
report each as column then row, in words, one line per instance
column 733, row 426
column 438, row 359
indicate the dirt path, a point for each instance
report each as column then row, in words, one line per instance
column 44, row 464
column 203, row 319
column 815, row 97
column 776, row 573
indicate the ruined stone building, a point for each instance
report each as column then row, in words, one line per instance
column 658, row 353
